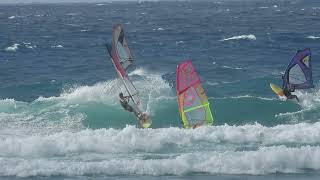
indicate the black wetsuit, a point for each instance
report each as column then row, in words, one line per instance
column 125, row 105
column 288, row 94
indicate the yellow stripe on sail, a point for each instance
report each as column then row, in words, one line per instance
column 194, row 108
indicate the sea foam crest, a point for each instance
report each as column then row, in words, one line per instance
column 132, row 139
column 13, row 47
column 247, row 37
column 265, row 160
column 229, row 67
column 57, row 46
column 313, row 37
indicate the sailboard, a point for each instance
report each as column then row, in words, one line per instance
column 194, row 106
column 298, row 74
column 276, row 89
column 122, row 58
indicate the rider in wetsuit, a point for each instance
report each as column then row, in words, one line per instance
column 124, row 101
column 287, row 93
column 287, row 89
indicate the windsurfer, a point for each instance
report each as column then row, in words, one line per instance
column 287, row 93
column 124, row 101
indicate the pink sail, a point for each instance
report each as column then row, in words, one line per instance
column 193, row 103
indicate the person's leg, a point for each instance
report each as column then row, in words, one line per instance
column 136, row 113
column 293, row 97
column 129, row 108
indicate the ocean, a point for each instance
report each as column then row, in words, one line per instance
column 59, row 113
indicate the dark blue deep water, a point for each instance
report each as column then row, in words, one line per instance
column 59, row 115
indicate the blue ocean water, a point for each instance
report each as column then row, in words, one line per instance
column 59, row 115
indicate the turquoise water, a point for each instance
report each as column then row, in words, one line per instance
column 60, row 117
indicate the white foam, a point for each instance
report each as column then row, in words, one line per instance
column 159, row 29
column 7, row 104
column 22, row 119
column 291, row 113
column 101, row 4
column 179, row 42
column 74, row 25
column 228, row 67
column 29, row 45
column 116, row 152
column 132, row 139
column 212, row 83
column 57, row 46
column 150, row 87
column 313, row 37
column 14, row 47
column 230, row 82
column 246, row 96
column 138, row 71
column 264, row 161
column 11, row 17
column 309, row 100
column 247, row 37
column 103, row 92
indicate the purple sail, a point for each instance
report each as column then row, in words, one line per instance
column 298, row 74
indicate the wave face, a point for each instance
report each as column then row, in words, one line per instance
column 59, row 110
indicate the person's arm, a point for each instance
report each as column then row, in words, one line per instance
column 297, row 98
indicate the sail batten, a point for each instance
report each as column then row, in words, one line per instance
column 197, row 107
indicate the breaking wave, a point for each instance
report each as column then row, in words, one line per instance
column 249, row 149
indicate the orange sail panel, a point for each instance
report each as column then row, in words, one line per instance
column 193, row 103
